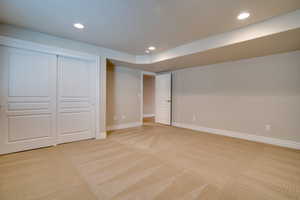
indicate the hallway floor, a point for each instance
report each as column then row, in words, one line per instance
column 153, row 162
column 148, row 119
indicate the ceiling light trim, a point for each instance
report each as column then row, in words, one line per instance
column 78, row 26
column 243, row 16
column 152, row 48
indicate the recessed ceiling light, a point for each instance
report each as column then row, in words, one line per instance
column 243, row 15
column 151, row 48
column 78, row 25
column 147, row 51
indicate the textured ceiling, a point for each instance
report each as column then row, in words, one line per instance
column 133, row 25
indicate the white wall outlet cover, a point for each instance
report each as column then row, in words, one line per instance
column 123, row 116
column 194, row 117
column 267, row 127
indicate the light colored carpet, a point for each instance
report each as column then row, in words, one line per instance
column 153, row 162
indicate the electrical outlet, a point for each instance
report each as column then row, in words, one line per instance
column 123, row 116
column 115, row 117
column 267, row 127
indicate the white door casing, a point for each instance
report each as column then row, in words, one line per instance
column 163, row 98
column 76, row 99
column 28, row 99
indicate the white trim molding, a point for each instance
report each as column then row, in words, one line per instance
column 245, row 136
column 101, row 135
column 148, row 115
column 33, row 46
column 124, row 126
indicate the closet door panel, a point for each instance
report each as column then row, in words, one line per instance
column 28, row 99
column 75, row 122
column 75, row 78
column 28, row 74
column 28, row 127
column 76, row 115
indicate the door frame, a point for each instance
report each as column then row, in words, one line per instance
column 32, row 46
column 142, row 92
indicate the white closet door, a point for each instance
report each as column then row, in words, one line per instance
column 163, row 99
column 76, row 99
column 28, row 99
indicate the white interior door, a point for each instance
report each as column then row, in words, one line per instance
column 163, row 99
column 28, row 99
column 76, row 99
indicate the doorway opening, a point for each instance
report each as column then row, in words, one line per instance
column 148, row 98
column 156, row 98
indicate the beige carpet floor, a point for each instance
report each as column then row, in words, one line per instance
column 153, row 162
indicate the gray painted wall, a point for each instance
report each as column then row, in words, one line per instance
column 242, row 96
column 123, row 95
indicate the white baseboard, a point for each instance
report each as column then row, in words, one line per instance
column 256, row 138
column 123, row 126
column 101, row 135
column 148, row 115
